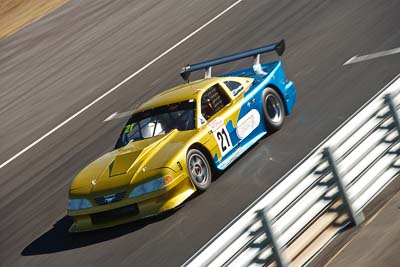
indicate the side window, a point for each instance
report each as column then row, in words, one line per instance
column 213, row 100
column 235, row 87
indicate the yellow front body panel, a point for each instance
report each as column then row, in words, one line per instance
column 153, row 204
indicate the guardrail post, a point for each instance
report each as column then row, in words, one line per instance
column 393, row 111
column 355, row 217
column 276, row 248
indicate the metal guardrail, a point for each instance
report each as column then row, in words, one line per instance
column 323, row 194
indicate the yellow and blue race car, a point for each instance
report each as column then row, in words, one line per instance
column 174, row 143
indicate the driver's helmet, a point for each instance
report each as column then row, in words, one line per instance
column 149, row 131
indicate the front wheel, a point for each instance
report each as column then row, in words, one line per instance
column 199, row 169
column 274, row 112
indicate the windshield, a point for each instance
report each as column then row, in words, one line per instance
column 158, row 121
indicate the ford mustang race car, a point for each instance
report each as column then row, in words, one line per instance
column 173, row 144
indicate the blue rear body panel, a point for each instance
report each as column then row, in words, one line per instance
column 274, row 77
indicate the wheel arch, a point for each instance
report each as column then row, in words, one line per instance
column 279, row 91
column 202, row 148
column 205, row 151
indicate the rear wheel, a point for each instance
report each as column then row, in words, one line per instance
column 199, row 169
column 274, row 111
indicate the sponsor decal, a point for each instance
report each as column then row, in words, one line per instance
column 201, row 121
column 179, row 165
column 231, row 158
column 216, row 123
column 248, row 123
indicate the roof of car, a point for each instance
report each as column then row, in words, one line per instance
column 179, row 93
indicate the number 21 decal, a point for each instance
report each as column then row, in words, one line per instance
column 223, row 140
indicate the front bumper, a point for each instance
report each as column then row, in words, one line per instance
column 129, row 210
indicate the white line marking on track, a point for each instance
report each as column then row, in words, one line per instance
column 111, row 117
column 118, row 85
column 357, row 58
column 117, row 115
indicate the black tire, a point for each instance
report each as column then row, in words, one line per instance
column 199, row 169
column 274, row 110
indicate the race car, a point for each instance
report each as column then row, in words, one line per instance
column 174, row 143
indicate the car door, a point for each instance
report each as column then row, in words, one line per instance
column 220, row 113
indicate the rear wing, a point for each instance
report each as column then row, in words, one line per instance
column 206, row 65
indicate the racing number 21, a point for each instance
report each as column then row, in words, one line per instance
column 222, row 136
column 223, row 140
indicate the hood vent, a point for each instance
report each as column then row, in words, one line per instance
column 110, row 168
column 122, row 163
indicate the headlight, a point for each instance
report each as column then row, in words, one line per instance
column 151, row 186
column 77, row 204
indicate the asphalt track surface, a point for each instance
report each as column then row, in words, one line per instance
column 62, row 62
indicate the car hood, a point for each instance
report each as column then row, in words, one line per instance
column 132, row 164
